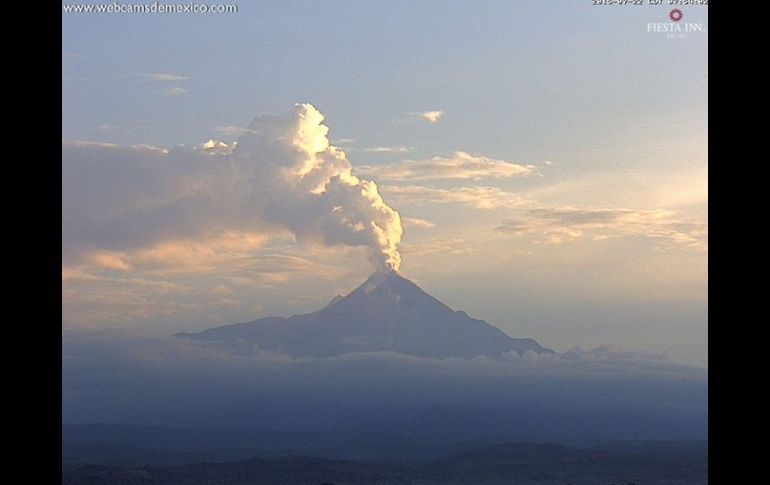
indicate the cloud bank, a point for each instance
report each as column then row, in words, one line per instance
column 478, row 197
column 120, row 203
column 566, row 223
column 132, row 379
column 460, row 166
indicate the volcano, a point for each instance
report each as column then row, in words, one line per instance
column 387, row 313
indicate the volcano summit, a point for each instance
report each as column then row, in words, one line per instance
column 388, row 313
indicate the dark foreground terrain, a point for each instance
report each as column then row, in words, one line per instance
column 669, row 463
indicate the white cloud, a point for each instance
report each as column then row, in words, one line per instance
column 343, row 141
column 231, row 130
column 460, row 166
column 607, row 352
column 557, row 225
column 217, row 147
column 175, row 91
column 477, row 197
column 161, row 76
column 430, row 116
column 393, row 149
column 414, row 222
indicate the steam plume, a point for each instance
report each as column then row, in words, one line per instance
column 312, row 189
column 282, row 173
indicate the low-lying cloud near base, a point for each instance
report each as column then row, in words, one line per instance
column 107, row 377
column 174, row 352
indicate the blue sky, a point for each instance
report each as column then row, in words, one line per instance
column 604, row 242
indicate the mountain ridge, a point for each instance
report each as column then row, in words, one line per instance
column 385, row 313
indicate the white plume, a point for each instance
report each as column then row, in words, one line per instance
column 281, row 172
column 310, row 187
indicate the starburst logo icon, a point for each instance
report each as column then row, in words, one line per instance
column 676, row 15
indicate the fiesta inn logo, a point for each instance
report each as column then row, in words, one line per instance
column 675, row 29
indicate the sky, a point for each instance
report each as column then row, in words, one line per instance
column 548, row 162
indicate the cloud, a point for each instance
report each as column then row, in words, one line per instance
column 343, row 141
column 193, row 255
column 190, row 352
column 478, row 197
column 394, row 149
column 221, row 290
column 460, row 166
column 231, row 130
column 175, row 91
column 217, row 147
column 430, row 116
column 561, row 224
column 607, row 352
column 439, row 246
column 414, row 222
column 217, row 281
column 92, row 300
column 160, row 381
column 281, row 176
column 161, row 76
column 110, row 260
